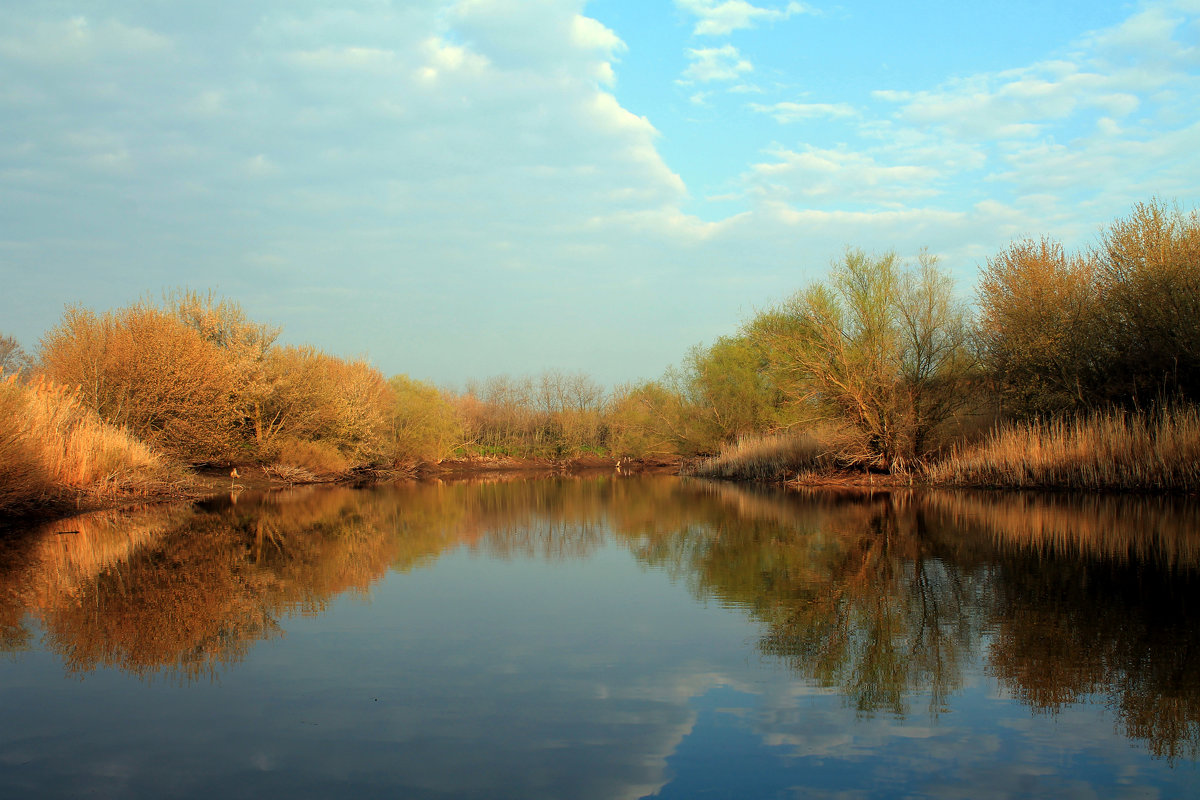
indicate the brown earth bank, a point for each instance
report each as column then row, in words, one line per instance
column 202, row 481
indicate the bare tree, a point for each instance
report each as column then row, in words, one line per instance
column 13, row 357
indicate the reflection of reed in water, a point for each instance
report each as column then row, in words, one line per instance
column 1094, row 595
column 53, row 563
column 881, row 596
column 885, row 596
column 1160, row 529
column 184, row 591
column 69, row 552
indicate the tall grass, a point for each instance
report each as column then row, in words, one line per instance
column 54, row 449
column 769, row 458
column 1110, row 451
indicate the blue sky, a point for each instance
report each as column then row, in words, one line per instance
column 461, row 189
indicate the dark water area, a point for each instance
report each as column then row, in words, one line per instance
column 606, row 637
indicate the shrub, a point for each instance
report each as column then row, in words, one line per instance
column 425, row 425
column 314, row 397
column 317, row 458
column 1120, row 324
column 1148, row 272
column 143, row 369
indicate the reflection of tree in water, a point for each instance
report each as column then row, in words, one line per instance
column 203, row 591
column 1096, row 597
column 881, row 597
column 184, row 591
column 884, row 596
column 1124, row 631
column 847, row 588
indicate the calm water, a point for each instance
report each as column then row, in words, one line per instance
column 605, row 638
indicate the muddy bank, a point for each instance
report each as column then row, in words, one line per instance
column 204, row 481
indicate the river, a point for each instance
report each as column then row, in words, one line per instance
column 605, row 637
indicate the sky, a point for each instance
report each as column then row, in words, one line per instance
column 455, row 189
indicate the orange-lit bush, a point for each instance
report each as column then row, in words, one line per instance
column 143, row 369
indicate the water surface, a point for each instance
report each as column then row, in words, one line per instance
column 605, row 638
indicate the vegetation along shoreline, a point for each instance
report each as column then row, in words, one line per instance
column 1068, row 370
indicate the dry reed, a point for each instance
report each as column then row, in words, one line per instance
column 1106, row 452
column 54, row 449
column 769, row 458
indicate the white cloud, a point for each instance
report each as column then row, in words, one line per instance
column 539, row 35
column 710, row 64
column 1111, row 73
column 77, row 40
column 721, row 18
column 818, row 175
column 794, row 112
column 476, row 151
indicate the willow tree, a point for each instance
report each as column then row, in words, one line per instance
column 880, row 348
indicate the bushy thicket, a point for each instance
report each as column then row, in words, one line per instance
column 1117, row 324
column 196, row 379
column 887, row 368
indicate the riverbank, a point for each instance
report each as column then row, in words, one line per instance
column 1114, row 451
column 200, row 482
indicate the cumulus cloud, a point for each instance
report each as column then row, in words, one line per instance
column 717, row 18
column 820, row 176
column 402, row 154
column 709, row 64
column 795, row 112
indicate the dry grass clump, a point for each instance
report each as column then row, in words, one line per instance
column 769, row 458
column 53, row 448
column 289, row 474
column 1110, row 451
column 316, row 458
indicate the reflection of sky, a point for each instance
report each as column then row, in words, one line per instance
column 477, row 677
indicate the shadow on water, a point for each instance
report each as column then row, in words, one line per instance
column 886, row 598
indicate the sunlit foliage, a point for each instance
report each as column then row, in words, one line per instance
column 53, row 449
column 142, row 368
column 1118, row 324
column 424, row 422
column 880, row 347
